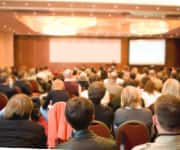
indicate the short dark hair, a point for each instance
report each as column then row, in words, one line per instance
column 167, row 109
column 79, row 112
column 96, row 91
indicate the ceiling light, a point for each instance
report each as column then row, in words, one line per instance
column 26, row 4
column 115, row 6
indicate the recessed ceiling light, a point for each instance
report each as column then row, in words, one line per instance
column 93, row 6
column 71, row 5
column 91, row 14
column 3, row 3
column 34, row 13
column 26, row 4
column 115, row 6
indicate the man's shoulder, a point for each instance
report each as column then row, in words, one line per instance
column 94, row 142
column 146, row 146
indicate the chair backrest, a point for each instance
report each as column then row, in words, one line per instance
column 34, row 85
column 101, row 129
column 3, row 100
column 131, row 133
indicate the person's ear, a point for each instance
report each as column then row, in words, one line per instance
column 93, row 117
column 155, row 120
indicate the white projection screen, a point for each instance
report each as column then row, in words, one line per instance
column 84, row 50
column 147, row 52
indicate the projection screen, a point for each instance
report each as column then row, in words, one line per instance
column 84, row 50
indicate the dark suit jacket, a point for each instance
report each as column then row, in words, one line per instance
column 21, row 133
column 23, row 85
column 55, row 96
column 86, row 140
column 104, row 114
column 7, row 90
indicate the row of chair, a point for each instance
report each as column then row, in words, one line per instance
column 129, row 134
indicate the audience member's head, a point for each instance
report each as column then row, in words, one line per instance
column 172, row 87
column 96, row 92
column 167, row 112
column 149, row 86
column 143, row 81
column 79, row 112
column 19, row 107
column 130, row 97
column 57, row 84
column 67, row 73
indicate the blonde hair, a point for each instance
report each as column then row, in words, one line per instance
column 130, row 97
column 172, row 87
column 19, row 106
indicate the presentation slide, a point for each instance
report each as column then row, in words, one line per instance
column 147, row 52
column 84, row 50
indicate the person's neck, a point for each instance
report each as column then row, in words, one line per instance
column 162, row 131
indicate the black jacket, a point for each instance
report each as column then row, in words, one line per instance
column 55, row 96
column 87, row 140
column 21, row 134
column 104, row 114
column 23, row 85
column 9, row 92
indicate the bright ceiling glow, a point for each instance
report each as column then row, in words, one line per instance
column 57, row 25
column 139, row 2
column 149, row 27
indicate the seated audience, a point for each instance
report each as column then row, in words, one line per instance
column 55, row 95
column 23, row 84
column 80, row 113
column 96, row 92
column 71, row 84
column 167, row 123
column 131, row 108
column 157, row 82
column 150, row 94
column 172, row 87
column 16, row 130
column 5, row 87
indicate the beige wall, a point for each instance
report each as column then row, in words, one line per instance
column 6, row 49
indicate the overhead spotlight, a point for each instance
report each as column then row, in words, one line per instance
column 26, row 4
column 91, row 14
column 70, row 5
column 93, row 6
column 3, row 3
column 115, row 6
column 34, row 13
column 157, row 8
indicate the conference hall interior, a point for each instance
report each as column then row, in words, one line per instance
column 119, row 56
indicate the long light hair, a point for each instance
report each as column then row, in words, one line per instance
column 130, row 97
column 171, row 87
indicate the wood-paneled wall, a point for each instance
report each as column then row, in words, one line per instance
column 33, row 51
column 6, row 49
